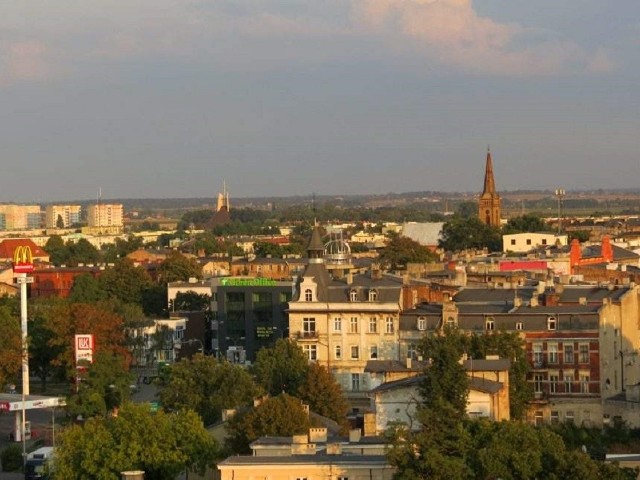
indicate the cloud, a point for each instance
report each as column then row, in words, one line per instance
column 453, row 33
column 25, row 61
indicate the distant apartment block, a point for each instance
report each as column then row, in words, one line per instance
column 62, row 216
column 20, row 217
column 105, row 215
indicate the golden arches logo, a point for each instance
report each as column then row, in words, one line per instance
column 22, row 259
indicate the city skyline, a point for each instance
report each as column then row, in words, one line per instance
column 281, row 98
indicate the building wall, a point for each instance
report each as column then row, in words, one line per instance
column 70, row 215
column 306, row 471
column 21, row 217
column 105, row 215
column 524, row 242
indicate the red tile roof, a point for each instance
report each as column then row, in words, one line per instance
column 7, row 247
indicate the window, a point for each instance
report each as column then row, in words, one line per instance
column 353, row 325
column 584, row 353
column 451, row 322
column 569, row 416
column 513, row 241
column 373, row 295
column 568, row 382
column 584, row 383
column 422, row 323
column 309, row 326
column 489, row 324
column 568, row 353
column 389, row 325
column 538, row 417
column 337, row 324
column 338, row 352
column 537, row 383
column 355, row 352
column 528, row 241
column 553, row 382
column 551, row 323
column 355, row 381
column 310, row 351
column 553, row 352
column 353, row 295
column 519, row 325
column 538, row 355
column 544, row 241
column 373, row 352
column 308, row 295
column 555, row 417
column 373, row 325
column 412, row 351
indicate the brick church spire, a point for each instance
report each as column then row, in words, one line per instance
column 489, row 206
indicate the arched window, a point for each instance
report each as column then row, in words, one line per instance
column 373, row 295
column 353, row 295
column 308, row 295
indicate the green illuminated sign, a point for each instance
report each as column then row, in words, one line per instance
column 247, row 282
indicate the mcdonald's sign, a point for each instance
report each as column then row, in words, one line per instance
column 22, row 259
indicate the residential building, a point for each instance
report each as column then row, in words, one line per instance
column 273, row 268
column 105, row 216
column 489, row 205
column 20, row 217
column 62, row 216
column 581, row 341
column 525, row 242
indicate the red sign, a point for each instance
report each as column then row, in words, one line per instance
column 84, row 347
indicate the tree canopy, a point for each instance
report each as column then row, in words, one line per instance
column 460, row 234
column 281, row 368
column 161, row 444
column 177, row 267
column 207, row 386
column 283, row 415
column 402, row 250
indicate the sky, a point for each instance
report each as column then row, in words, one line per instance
column 165, row 98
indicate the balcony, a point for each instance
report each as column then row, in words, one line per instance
column 308, row 335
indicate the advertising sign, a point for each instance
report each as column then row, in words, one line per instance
column 22, row 259
column 84, row 347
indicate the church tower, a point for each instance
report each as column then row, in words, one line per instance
column 489, row 204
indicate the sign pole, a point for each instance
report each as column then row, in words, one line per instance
column 22, row 279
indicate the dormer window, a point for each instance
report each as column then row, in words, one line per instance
column 552, row 323
column 353, row 295
column 373, row 295
column 308, row 295
column 490, row 324
column 422, row 323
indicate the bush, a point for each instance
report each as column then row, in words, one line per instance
column 11, row 458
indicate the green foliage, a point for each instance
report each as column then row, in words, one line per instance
column 323, row 394
column 207, row 386
column 177, row 267
column 460, row 234
column 10, row 345
column 87, row 289
column 191, row 301
column 11, row 457
column 104, row 385
column 197, row 219
column 525, row 223
column 125, row 282
column 281, row 368
column 580, row 235
column 56, row 249
column 277, row 416
column 467, row 209
column 41, row 353
column 402, row 250
column 162, row 445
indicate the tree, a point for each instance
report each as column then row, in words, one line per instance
column 82, row 252
column 160, row 444
column 460, row 234
column 402, row 250
column 87, row 289
column 125, row 281
column 191, row 301
column 323, row 394
column 177, row 267
column 281, row 368
column 59, row 221
column 10, row 346
column 265, row 249
column 41, row 353
column 467, row 209
column 102, row 387
column 283, row 415
column 525, row 223
column 55, row 247
column 207, row 387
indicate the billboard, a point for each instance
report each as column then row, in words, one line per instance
column 22, row 259
column 84, row 348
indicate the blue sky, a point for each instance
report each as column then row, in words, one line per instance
column 280, row 97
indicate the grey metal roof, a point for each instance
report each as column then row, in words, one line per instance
column 486, row 295
column 424, row 233
column 485, row 365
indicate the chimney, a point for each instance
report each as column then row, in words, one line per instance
column 540, row 287
column 575, row 253
column 607, row 249
column 318, row 435
column 349, row 278
column 334, row 449
column 408, row 364
column 355, row 435
column 582, row 300
column 534, row 301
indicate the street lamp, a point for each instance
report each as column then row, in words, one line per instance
column 560, row 194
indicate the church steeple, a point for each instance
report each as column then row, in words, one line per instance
column 489, row 182
column 489, row 205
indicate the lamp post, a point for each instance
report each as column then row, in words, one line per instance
column 560, row 194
